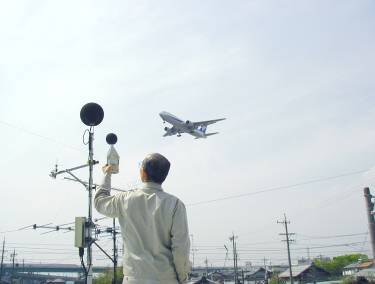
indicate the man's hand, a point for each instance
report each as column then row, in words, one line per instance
column 107, row 169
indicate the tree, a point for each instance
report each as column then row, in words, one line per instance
column 336, row 265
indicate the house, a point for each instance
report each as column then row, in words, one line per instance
column 204, row 280
column 56, row 281
column 277, row 269
column 357, row 266
column 257, row 275
column 305, row 273
column 368, row 273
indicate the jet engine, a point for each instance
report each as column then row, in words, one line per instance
column 166, row 128
column 189, row 123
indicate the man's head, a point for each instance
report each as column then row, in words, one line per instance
column 155, row 168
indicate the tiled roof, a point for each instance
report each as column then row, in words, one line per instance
column 359, row 265
column 366, row 264
column 296, row 270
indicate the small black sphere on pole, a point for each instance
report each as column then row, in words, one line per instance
column 111, row 139
column 92, row 114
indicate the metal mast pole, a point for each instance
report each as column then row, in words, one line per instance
column 114, row 252
column 90, row 187
column 370, row 217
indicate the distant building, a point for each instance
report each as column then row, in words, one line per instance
column 368, row 274
column 277, row 269
column 304, row 261
column 258, row 275
column 56, row 281
column 357, row 266
column 204, row 280
column 322, row 258
column 305, row 273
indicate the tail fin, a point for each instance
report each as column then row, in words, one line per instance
column 203, row 128
column 213, row 133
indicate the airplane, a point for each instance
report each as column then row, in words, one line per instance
column 196, row 129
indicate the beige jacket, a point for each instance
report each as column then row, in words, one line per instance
column 154, row 230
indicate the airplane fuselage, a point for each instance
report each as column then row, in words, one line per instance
column 183, row 125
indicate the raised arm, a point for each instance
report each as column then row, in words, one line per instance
column 180, row 243
column 105, row 203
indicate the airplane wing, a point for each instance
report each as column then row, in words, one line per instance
column 207, row 122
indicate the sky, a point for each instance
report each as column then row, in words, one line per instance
column 293, row 78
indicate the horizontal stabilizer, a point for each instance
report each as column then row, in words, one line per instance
column 213, row 133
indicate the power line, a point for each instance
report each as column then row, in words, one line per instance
column 38, row 135
column 277, row 188
column 332, row 236
column 244, row 194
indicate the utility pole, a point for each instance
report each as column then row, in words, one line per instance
column 13, row 255
column 370, row 217
column 192, row 245
column 285, row 222
column 233, row 240
column 206, row 262
column 226, row 255
column 2, row 260
column 308, row 255
column 265, row 271
column 23, row 269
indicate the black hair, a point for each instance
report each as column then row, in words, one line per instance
column 156, row 167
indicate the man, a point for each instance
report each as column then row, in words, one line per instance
column 153, row 226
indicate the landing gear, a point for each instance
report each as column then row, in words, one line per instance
column 178, row 134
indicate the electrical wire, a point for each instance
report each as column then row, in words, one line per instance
column 332, row 236
column 364, row 242
column 259, row 192
column 278, row 188
column 38, row 135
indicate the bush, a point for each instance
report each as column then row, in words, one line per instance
column 336, row 265
column 107, row 277
column 275, row 280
